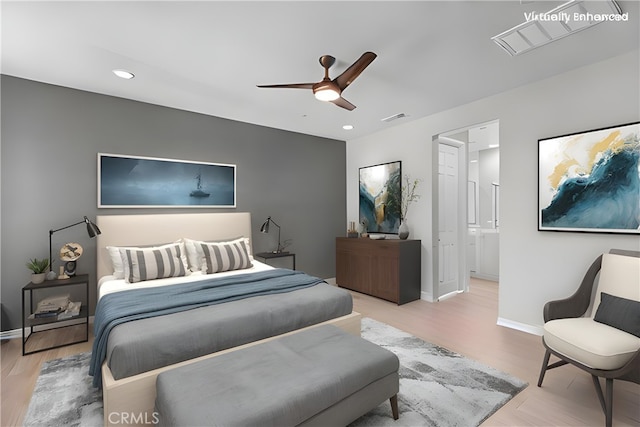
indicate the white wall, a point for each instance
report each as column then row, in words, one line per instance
column 534, row 266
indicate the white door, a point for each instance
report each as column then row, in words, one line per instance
column 448, row 219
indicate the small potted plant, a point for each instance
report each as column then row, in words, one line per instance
column 38, row 268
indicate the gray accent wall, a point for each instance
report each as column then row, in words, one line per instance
column 50, row 139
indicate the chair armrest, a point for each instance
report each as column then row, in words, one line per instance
column 578, row 303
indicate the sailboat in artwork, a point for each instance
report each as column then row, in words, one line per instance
column 198, row 191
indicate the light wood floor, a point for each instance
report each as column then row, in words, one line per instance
column 465, row 324
column 19, row 373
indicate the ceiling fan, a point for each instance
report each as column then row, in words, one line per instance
column 331, row 90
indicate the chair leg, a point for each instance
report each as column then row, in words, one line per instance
column 543, row 370
column 598, row 387
column 394, row 406
column 606, row 401
column 609, row 403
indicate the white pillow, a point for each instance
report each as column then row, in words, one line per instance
column 158, row 262
column 116, row 258
column 195, row 254
column 116, row 261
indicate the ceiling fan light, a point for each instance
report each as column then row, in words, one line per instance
column 326, row 94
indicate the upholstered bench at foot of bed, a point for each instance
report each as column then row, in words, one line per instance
column 321, row 376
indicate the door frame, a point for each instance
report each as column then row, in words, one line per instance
column 463, row 271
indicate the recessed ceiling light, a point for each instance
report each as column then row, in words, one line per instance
column 347, row 127
column 124, row 74
column 494, row 145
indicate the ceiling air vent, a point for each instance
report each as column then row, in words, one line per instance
column 566, row 19
column 394, row 117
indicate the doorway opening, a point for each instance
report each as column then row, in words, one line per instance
column 466, row 200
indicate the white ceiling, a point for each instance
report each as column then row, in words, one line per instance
column 208, row 56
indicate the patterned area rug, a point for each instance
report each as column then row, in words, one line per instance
column 437, row 387
column 64, row 396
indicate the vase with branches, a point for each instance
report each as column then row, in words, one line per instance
column 409, row 195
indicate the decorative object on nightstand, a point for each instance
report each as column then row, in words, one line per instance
column 69, row 253
column 38, row 269
column 265, row 229
column 408, row 196
column 92, row 230
column 62, row 275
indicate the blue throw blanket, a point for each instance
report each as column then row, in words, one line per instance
column 120, row 307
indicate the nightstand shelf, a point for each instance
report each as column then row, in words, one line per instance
column 273, row 255
column 47, row 324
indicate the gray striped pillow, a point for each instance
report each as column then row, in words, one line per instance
column 142, row 264
column 226, row 256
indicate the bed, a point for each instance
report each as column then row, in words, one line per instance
column 133, row 355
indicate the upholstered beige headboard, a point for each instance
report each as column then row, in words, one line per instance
column 145, row 230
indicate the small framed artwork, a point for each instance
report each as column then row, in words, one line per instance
column 149, row 182
column 380, row 197
column 590, row 181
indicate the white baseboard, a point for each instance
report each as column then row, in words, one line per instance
column 9, row 335
column 426, row 296
column 485, row 276
column 449, row 295
column 530, row 329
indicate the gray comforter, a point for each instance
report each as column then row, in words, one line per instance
column 150, row 343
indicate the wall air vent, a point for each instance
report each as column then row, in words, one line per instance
column 394, row 117
column 566, row 19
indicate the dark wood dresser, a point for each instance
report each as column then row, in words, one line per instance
column 387, row 269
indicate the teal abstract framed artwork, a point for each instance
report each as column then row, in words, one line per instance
column 380, row 189
column 590, row 181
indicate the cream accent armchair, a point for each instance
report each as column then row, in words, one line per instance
column 578, row 336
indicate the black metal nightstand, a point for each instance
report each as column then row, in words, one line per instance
column 46, row 324
column 271, row 255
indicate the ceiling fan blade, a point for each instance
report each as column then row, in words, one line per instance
column 290, row 86
column 350, row 74
column 341, row 102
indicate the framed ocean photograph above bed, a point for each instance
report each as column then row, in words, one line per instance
column 590, row 181
column 148, row 182
column 380, row 197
